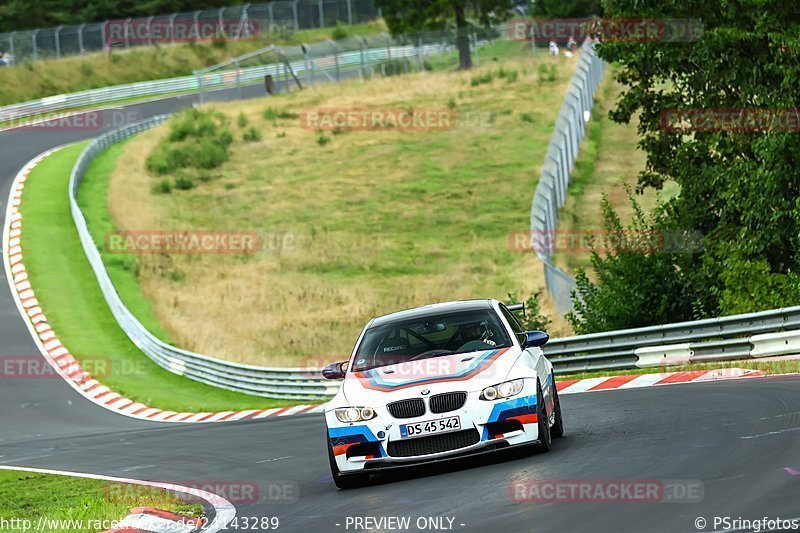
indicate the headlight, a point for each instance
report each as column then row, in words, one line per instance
column 502, row 390
column 354, row 414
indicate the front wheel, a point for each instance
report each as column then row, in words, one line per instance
column 545, row 438
column 347, row 481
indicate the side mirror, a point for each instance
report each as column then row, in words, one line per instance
column 535, row 338
column 334, row 370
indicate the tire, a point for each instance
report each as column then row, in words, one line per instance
column 346, row 481
column 545, row 437
column 557, row 431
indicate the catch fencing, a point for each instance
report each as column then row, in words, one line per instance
column 245, row 21
column 551, row 191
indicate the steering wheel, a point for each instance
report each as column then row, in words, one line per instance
column 429, row 353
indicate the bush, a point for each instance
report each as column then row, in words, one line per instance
column 197, row 139
column 162, row 187
column 636, row 283
column 527, row 117
column 184, row 183
column 322, row 140
column 251, row 135
column 339, row 33
column 242, row 121
column 275, row 114
column 547, row 73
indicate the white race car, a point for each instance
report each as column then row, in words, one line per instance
column 439, row 382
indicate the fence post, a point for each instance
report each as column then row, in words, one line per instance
column 35, row 46
column 239, row 79
column 11, row 42
column 309, row 64
column 127, row 33
column 296, row 16
column 321, row 14
column 149, row 23
column 362, row 46
column 270, row 16
column 81, row 49
column 244, row 22
column 57, row 41
column 350, row 12
column 196, row 26
column 221, row 22
column 335, row 58
column 172, row 27
column 388, row 45
column 475, row 45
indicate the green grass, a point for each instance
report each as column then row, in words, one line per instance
column 71, row 299
column 30, row 496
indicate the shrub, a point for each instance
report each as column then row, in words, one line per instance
column 281, row 135
column 162, row 187
column 339, row 33
column 274, row 114
column 527, row 117
column 547, row 73
column 451, row 103
column 322, row 140
column 184, row 183
column 242, row 121
column 251, row 135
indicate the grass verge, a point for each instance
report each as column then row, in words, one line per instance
column 70, row 297
column 27, row 496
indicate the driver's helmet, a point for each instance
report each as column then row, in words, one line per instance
column 475, row 330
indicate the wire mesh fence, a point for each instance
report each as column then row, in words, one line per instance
column 246, row 21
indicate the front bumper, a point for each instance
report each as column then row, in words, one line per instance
column 486, row 426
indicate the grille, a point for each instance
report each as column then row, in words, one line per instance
column 407, row 408
column 434, row 444
column 442, row 403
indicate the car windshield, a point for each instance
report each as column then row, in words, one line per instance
column 432, row 335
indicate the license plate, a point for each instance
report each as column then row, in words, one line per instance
column 442, row 425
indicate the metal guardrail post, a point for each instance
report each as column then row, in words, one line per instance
column 57, row 41
column 81, row 49
column 35, row 45
column 388, row 40
column 336, row 58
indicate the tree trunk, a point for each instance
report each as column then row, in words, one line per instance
column 462, row 37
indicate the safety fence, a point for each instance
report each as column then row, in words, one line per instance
column 551, row 191
column 245, row 21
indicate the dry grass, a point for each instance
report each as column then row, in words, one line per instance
column 377, row 220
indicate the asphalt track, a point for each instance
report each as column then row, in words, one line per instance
column 740, row 440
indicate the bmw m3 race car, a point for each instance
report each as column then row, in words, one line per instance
column 439, row 382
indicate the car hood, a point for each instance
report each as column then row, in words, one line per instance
column 470, row 372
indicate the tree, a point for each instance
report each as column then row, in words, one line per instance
column 567, row 8
column 739, row 186
column 404, row 16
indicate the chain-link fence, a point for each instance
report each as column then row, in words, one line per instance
column 239, row 22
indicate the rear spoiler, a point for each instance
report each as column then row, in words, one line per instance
column 517, row 307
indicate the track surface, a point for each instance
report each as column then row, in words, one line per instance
column 735, row 437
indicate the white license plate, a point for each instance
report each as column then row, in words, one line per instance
column 442, row 425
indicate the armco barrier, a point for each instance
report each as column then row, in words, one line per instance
column 551, row 191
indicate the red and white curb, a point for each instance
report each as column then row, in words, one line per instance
column 151, row 520
column 59, row 356
column 635, row 381
column 145, row 519
column 67, row 367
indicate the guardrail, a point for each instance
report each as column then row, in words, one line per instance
column 551, row 191
column 358, row 59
